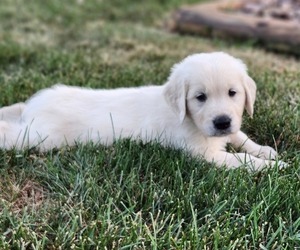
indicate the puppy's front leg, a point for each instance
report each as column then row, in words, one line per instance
column 241, row 140
column 236, row 160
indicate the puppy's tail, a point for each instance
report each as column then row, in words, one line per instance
column 13, row 135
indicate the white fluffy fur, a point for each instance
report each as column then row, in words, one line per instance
column 170, row 114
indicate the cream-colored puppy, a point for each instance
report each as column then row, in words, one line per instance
column 199, row 109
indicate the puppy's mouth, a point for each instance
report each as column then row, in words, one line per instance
column 220, row 133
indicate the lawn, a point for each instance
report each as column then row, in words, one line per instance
column 133, row 195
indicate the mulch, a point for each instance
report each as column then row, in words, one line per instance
column 276, row 23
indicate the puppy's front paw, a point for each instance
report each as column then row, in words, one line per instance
column 259, row 165
column 280, row 164
column 267, row 153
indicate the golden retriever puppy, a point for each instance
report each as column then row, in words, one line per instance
column 199, row 109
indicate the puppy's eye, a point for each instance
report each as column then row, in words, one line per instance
column 231, row 92
column 201, row 97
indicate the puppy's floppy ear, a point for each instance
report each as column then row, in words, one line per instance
column 175, row 91
column 250, row 89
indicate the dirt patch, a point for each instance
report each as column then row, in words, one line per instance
column 29, row 194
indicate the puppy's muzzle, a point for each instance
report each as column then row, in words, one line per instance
column 222, row 124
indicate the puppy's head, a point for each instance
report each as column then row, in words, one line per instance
column 212, row 89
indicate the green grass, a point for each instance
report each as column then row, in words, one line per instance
column 133, row 195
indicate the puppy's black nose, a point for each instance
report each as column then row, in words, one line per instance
column 222, row 122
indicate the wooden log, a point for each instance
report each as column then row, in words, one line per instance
column 205, row 17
